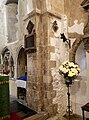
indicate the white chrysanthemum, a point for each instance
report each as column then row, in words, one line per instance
column 71, row 64
column 64, row 70
column 61, row 67
column 69, row 69
column 76, row 66
column 78, row 69
column 71, row 74
column 74, row 71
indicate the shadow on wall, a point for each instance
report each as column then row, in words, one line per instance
column 77, row 86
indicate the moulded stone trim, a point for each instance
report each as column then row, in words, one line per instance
column 74, row 48
column 31, row 14
column 52, row 13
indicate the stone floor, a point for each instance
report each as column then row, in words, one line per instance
column 60, row 117
column 20, row 109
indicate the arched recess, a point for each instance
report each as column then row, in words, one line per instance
column 5, row 58
column 21, row 63
column 7, row 61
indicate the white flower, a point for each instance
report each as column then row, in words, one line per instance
column 71, row 74
column 69, row 69
column 78, row 69
column 61, row 67
column 71, row 64
column 74, row 71
column 64, row 70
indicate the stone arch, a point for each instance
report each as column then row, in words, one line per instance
column 4, row 49
column 21, row 62
column 74, row 48
column 5, row 54
column 7, row 61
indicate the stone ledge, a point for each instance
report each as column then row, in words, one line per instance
column 39, row 116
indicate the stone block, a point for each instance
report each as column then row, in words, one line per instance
column 48, row 86
column 47, row 79
column 51, row 109
column 52, row 64
column 47, row 102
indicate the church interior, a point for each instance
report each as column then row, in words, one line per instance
column 36, row 38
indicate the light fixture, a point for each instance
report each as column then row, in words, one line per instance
column 65, row 39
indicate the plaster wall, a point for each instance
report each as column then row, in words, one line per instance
column 11, row 10
column 3, row 33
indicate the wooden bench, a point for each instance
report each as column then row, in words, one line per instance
column 85, row 108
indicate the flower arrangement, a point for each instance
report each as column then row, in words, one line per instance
column 69, row 70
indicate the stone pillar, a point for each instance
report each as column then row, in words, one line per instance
column 48, row 64
column 40, row 92
column 35, row 69
column 11, row 13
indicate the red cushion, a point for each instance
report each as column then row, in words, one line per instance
column 13, row 116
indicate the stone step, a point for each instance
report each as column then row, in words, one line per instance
column 38, row 116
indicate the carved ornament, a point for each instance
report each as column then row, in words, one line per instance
column 30, row 27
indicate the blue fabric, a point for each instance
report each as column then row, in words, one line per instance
column 22, row 78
